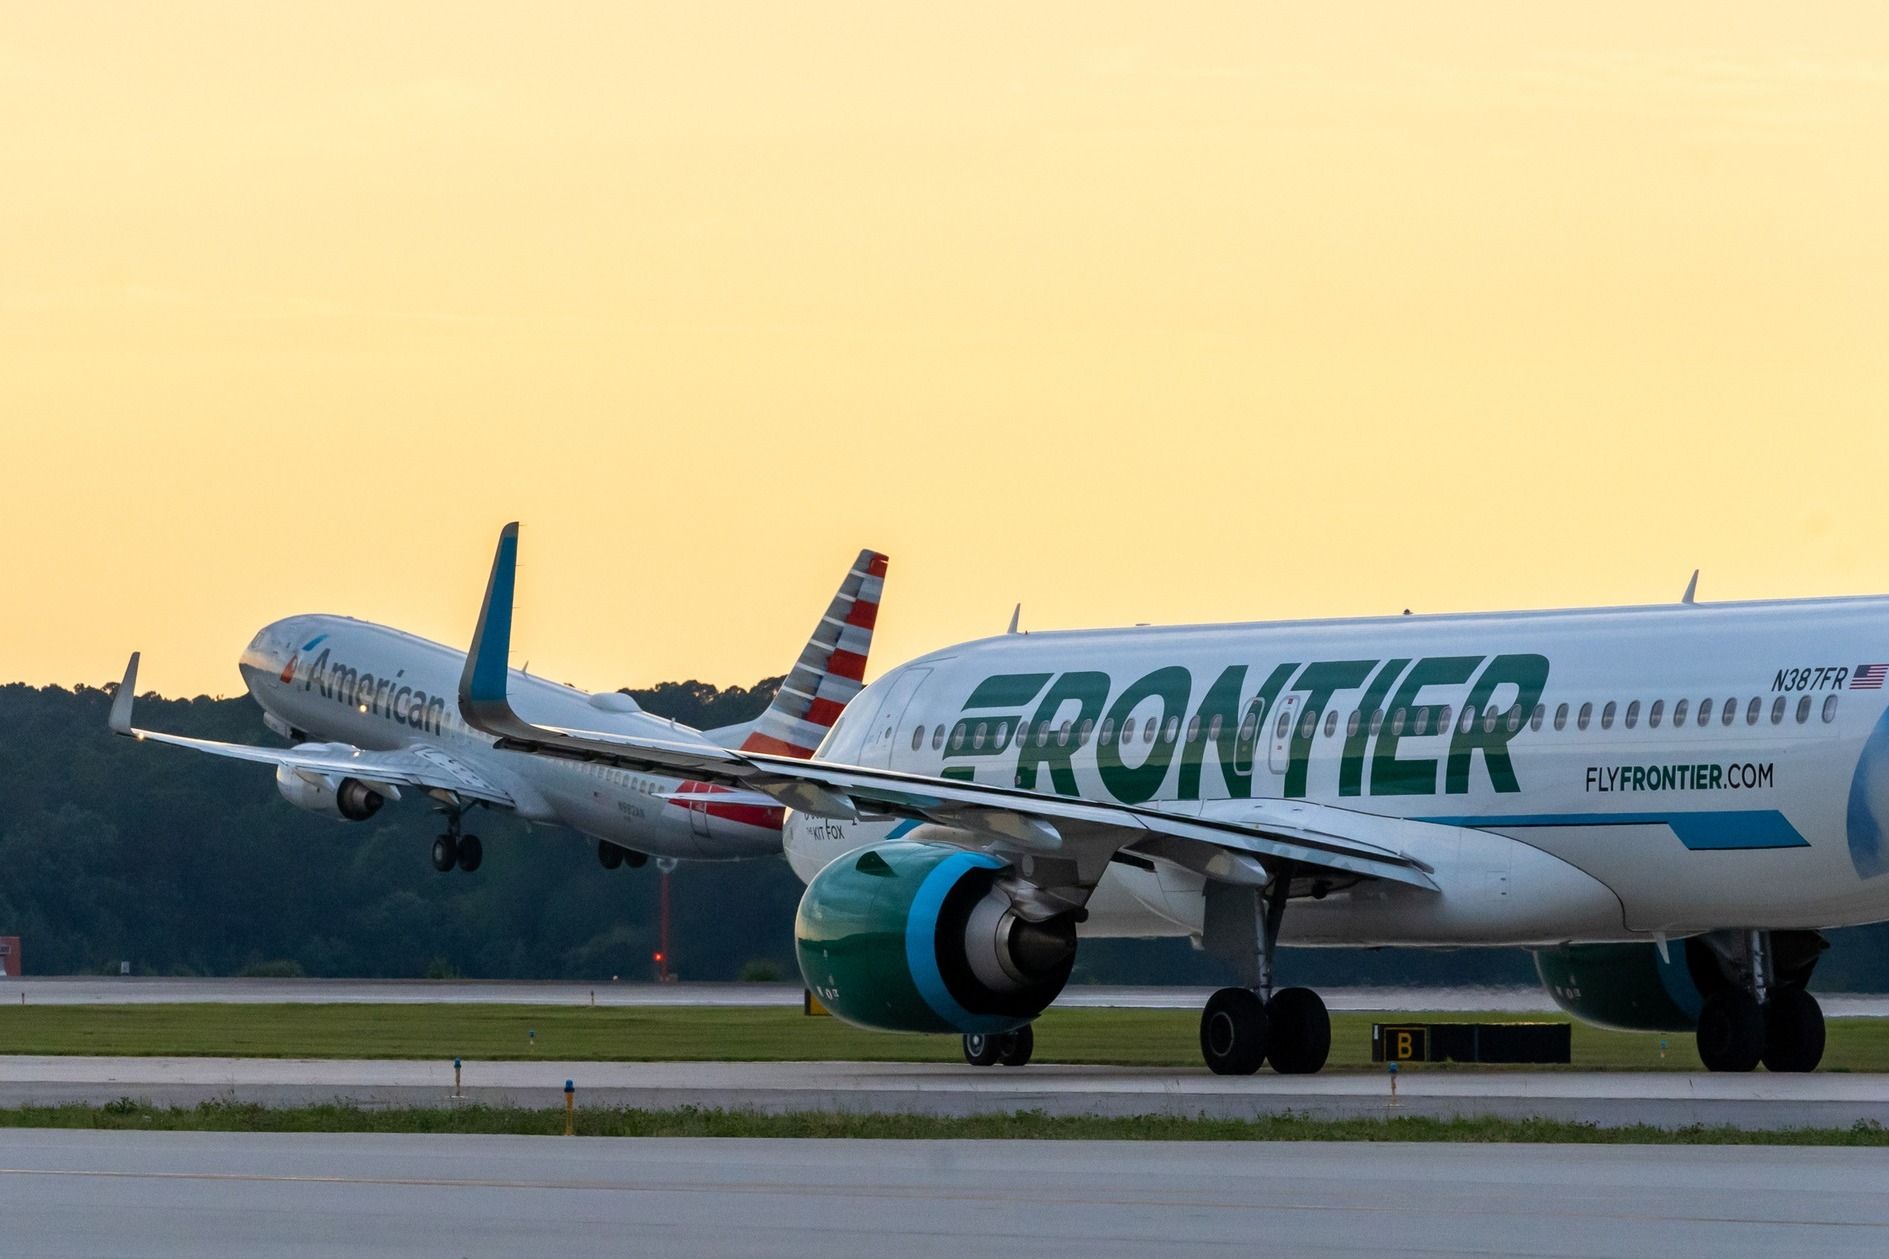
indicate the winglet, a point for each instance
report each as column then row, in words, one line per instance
column 483, row 683
column 120, row 718
column 1016, row 614
column 1692, row 589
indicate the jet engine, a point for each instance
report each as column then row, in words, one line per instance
column 347, row 798
column 910, row 937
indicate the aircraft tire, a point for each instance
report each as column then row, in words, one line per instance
column 609, row 856
column 1731, row 1031
column 1014, row 1048
column 1298, row 1036
column 1233, row 1032
column 981, row 1050
column 1793, row 1031
column 471, row 853
column 445, row 853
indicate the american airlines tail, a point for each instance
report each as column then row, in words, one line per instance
column 830, row 671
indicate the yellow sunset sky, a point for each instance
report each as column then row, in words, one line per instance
column 1129, row 312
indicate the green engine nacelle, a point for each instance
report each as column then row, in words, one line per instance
column 1624, row 986
column 910, row 937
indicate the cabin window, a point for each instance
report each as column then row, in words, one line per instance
column 1489, row 715
column 1193, row 728
column 918, row 737
column 1309, row 726
column 1469, row 719
column 1587, row 715
column 1705, row 712
column 1752, row 710
column 1249, row 729
column 1083, row 732
column 1377, row 721
column 1421, row 723
column 957, row 737
column 1777, row 710
column 977, row 736
column 1679, row 713
column 1561, row 717
column 1107, row 733
column 1633, row 714
column 1514, row 719
column 1352, row 723
column 1829, row 708
column 1654, row 713
column 1397, row 722
column 1729, row 714
column 937, row 737
column 1331, row 723
column 1443, row 719
column 1147, row 730
column 1803, row 709
column 1535, row 718
column 1213, row 727
column 1607, row 716
column 1172, row 729
column 1284, row 725
column 1062, row 734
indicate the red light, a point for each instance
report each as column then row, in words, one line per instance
column 659, row 957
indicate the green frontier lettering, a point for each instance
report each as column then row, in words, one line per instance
column 1132, row 784
column 1318, row 681
column 1490, row 734
column 1217, row 721
column 1417, row 777
column 1351, row 767
column 1089, row 691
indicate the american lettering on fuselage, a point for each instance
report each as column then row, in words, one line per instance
column 1051, row 720
column 350, row 687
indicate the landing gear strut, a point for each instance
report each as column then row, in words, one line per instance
column 1010, row 1049
column 1242, row 1028
column 457, row 849
column 1760, row 1011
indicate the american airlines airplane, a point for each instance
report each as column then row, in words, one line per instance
column 371, row 711
column 1666, row 803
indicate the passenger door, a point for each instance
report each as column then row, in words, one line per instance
column 882, row 736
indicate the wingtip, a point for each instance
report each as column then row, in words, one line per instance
column 120, row 718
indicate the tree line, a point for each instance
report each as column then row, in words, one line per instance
column 182, row 864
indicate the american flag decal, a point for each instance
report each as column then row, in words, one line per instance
column 1868, row 677
column 830, row 670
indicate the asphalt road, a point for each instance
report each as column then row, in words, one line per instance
column 1614, row 1098
column 86, row 1194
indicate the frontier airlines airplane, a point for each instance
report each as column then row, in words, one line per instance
column 1666, row 803
column 370, row 711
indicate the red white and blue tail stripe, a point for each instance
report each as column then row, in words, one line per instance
column 830, row 671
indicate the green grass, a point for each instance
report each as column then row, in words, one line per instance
column 128, row 1115
column 493, row 1032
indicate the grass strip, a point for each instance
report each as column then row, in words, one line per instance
column 127, row 1115
column 1115, row 1037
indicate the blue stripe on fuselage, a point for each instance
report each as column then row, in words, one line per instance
column 1700, row 831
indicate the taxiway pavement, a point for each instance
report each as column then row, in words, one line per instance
column 1610, row 1099
column 206, row 1195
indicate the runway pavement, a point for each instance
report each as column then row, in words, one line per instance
column 1665, row 1099
column 163, row 1195
column 127, row 990
column 114, row 990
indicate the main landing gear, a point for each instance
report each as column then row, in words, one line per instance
column 1243, row 1028
column 1009, row 1049
column 1758, row 1010
column 610, row 856
column 457, row 849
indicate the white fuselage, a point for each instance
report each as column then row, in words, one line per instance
column 332, row 678
column 1597, row 740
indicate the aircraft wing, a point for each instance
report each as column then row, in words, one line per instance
column 1048, row 827
column 428, row 769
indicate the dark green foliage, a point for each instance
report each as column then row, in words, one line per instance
column 185, row 864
